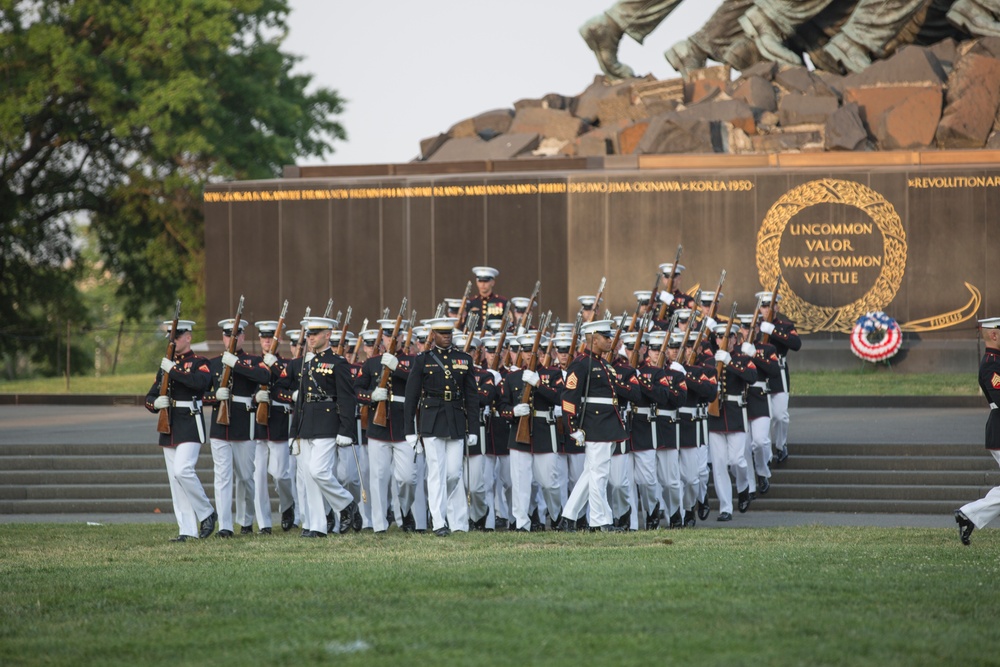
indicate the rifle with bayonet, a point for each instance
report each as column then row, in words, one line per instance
column 574, row 343
column 670, row 282
column 465, row 302
column 547, row 358
column 713, row 407
column 610, row 357
column 163, row 419
column 633, row 358
column 381, row 409
column 661, row 360
column 524, row 425
column 358, row 343
column 300, row 346
column 226, row 380
column 774, row 307
column 502, row 338
column 343, row 333
column 263, row 409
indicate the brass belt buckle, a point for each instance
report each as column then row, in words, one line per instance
column 447, row 395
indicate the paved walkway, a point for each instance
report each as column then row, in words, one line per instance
column 132, row 425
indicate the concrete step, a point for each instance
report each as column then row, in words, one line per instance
column 72, row 462
column 770, row 504
column 804, row 462
column 886, row 449
column 873, row 492
column 88, row 449
column 91, row 491
column 151, row 476
column 93, row 506
column 885, row 477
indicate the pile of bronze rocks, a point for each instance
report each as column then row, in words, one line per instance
column 912, row 92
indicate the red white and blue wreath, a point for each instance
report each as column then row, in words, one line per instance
column 876, row 337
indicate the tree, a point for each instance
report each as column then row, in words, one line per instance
column 121, row 111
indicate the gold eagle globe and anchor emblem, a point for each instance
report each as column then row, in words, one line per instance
column 811, row 317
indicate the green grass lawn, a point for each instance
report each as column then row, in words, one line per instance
column 883, row 382
column 122, row 595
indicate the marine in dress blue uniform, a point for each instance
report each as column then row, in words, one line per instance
column 189, row 378
column 485, row 303
column 782, row 334
column 979, row 513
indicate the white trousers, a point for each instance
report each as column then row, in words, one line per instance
column 760, row 447
column 349, row 475
column 690, row 460
column 703, row 472
column 620, row 485
column 271, row 458
column 502, row 499
column 984, row 510
column 592, row 486
column 481, row 482
column 233, row 462
column 388, row 462
column 445, row 487
column 779, row 420
column 319, row 458
column 191, row 504
column 646, row 486
column 727, row 451
column 527, row 469
column 420, row 495
column 668, row 469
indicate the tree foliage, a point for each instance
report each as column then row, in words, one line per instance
column 119, row 112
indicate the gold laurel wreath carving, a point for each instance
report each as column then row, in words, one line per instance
column 809, row 317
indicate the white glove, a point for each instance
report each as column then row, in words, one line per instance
column 412, row 439
column 530, row 377
column 310, row 356
column 380, row 394
column 262, row 396
column 623, row 352
column 723, row 357
column 766, row 328
column 674, row 366
column 748, row 349
column 161, row 402
column 295, row 396
column 166, row 364
column 390, row 361
column 343, row 441
column 710, row 323
column 270, row 360
column 229, row 359
column 222, row 393
column 578, row 436
column 665, row 297
column 473, row 440
column 557, row 411
column 522, row 410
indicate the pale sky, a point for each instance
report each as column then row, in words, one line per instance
column 411, row 70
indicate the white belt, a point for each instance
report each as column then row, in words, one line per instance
column 600, row 400
column 644, row 411
column 245, row 400
column 287, row 407
column 668, row 413
column 735, row 398
column 689, row 411
column 993, row 406
column 190, row 405
column 543, row 414
column 760, row 385
column 398, row 399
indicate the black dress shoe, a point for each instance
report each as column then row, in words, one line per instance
column 566, row 526
column 653, row 518
column 264, row 531
column 409, row 523
column 782, row 455
column 675, row 520
column 965, row 527
column 744, row 501
column 625, row 520
column 763, row 485
column 442, row 532
column 331, row 522
column 501, row 524
column 582, row 523
column 246, row 530
column 224, row 533
column 703, row 511
column 179, row 538
column 350, row 517
column 689, row 521
column 724, row 516
column 208, row 525
column 288, row 518
column 312, row 533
